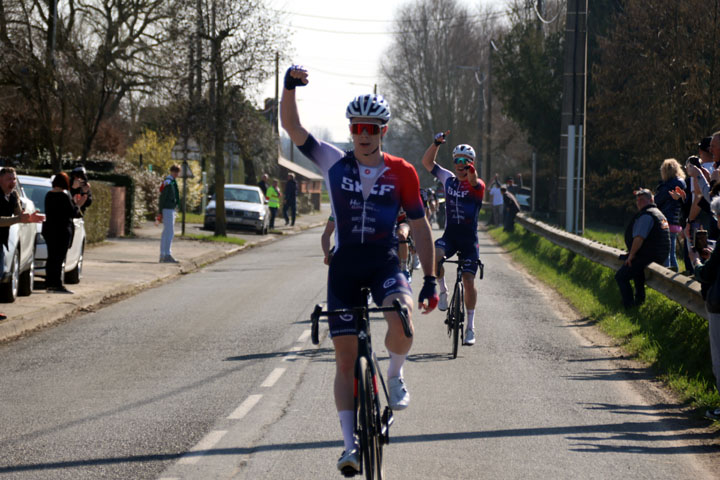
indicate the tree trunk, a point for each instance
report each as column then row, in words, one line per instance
column 220, row 221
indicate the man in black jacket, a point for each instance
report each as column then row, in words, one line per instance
column 290, row 196
column 647, row 238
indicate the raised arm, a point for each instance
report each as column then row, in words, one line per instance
column 295, row 76
column 428, row 159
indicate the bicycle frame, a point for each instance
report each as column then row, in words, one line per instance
column 456, row 309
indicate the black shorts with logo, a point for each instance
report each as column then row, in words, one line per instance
column 356, row 266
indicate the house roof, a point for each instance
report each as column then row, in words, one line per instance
column 294, row 167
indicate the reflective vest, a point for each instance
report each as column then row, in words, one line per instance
column 273, row 197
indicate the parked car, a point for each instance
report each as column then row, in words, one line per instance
column 36, row 188
column 18, row 272
column 245, row 207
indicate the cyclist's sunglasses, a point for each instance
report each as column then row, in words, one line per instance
column 463, row 161
column 372, row 128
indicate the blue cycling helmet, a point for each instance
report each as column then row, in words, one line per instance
column 369, row 106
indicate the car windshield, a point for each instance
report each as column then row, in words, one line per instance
column 37, row 193
column 242, row 195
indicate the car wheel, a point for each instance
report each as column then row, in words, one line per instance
column 27, row 279
column 9, row 290
column 73, row 276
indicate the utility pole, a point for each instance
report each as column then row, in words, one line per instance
column 488, row 140
column 571, row 170
column 277, row 93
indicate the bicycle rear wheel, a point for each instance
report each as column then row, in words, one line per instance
column 368, row 423
column 456, row 307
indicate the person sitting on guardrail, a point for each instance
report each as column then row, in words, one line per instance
column 647, row 239
column 707, row 273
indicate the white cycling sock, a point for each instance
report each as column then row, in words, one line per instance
column 441, row 282
column 396, row 364
column 471, row 319
column 347, row 424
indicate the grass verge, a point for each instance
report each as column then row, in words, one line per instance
column 661, row 333
column 214, row 238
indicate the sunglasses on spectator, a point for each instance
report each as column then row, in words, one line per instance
column 462, row 161
column 371, row 128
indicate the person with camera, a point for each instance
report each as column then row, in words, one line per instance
column 647, row 238
column 79, row 186
column 706, row 265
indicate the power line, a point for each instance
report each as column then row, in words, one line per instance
column 367, row 20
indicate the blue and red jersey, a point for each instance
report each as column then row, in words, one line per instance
column 462, row 201
column 366, row 201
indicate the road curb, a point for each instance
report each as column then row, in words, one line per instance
column 69, row 306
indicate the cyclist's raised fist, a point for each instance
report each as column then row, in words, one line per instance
column 296, row 76
column 440, row 137
column 428, row 298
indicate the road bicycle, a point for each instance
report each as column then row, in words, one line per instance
column 371, row 428
column 412, row 260
column 455, row 319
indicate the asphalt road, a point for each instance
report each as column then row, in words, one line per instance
column 213, row 376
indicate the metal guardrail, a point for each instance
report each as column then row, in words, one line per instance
column 679, row 288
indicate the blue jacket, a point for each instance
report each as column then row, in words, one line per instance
column 670, row 208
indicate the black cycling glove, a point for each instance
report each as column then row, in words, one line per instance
column 292, row 82
column 429, row 293
column 439, row 139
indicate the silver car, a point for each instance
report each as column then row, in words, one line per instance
column 18, row 269
column 36, row 188
column 245, row 207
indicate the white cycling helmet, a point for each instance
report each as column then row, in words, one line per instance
column 369, row 106
column 464, row 150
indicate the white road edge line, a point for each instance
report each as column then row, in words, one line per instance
column 245, row 407
column 207, row 442
column 273, row 377
column 305, row 335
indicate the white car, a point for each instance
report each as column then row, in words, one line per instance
column 18, row 270
column 245, row 206
column 36, row 188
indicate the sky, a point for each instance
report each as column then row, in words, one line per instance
column 341, row 43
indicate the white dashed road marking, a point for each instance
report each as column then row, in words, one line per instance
column 273, row 377
column 206, row 443
column 245, row 407
column 305, row 335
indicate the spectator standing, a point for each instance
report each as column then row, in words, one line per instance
column 708, row 274
column 290, row 199
column 58, row 229
column 79, row 186
column 273, row 197
column 511, row 207
column 169, row 201
column 647, row 239
column 11, row 212
column 496, row 195
column 263, row 183
column 670, row 205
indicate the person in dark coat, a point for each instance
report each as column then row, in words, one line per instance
column 647, row 239
column 263, row 183
column 511, row 207
column 290, row 195
column 58, row 229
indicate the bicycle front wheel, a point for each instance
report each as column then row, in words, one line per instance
column 369, row 423
column 456, row 306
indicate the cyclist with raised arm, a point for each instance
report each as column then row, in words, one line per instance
column 367, row 187
column 464, row 192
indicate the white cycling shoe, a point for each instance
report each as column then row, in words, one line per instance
column 349, row 462
column 469, row 338
column 399, row 395
column 442, row 303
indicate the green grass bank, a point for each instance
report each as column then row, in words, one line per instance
column 661, row 333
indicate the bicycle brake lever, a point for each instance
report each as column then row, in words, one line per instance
column 402, row 312
column 315, row 324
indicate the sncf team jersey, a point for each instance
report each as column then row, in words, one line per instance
column 365, row 200
column 462, row 201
